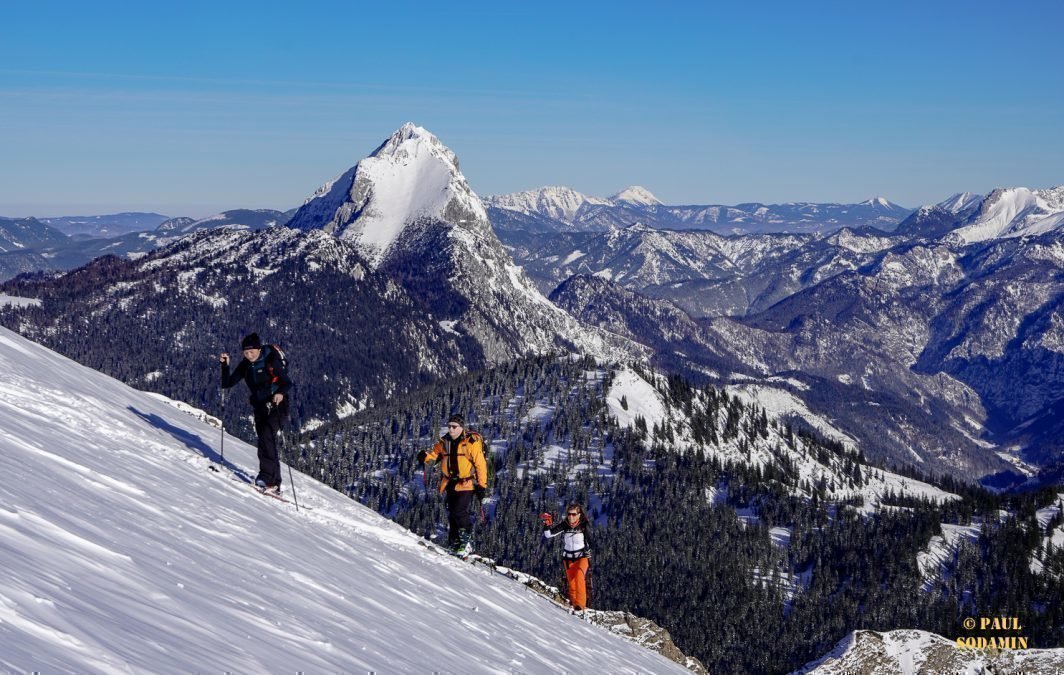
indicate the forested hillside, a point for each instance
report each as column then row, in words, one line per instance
column 716, row 528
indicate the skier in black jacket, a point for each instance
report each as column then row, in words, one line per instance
column 263, row 370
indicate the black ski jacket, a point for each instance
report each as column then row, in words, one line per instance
column 265, row 377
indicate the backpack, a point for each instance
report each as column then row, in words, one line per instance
column 280, row 355
column 489, row 459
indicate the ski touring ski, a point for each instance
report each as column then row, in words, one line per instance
column 267, row 493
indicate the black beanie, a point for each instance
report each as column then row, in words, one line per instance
column 457, row 419
column 251, row 342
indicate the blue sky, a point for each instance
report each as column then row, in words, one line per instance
column 191, row 108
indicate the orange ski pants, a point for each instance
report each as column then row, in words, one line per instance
column 576, row 573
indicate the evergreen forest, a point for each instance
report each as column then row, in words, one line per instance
column 686, row 538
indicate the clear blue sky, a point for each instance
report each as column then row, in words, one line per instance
column 191, row 108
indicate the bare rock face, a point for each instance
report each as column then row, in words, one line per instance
column 645, row 632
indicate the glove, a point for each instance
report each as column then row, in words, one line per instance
column 547, row 519
column 479, row 493
column 421, row 457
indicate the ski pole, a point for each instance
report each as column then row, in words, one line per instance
column 298, row 433
column 222, row 425
column 284, row 457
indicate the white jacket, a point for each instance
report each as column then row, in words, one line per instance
column 575, row 540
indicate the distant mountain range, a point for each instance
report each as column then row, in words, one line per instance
column 21, row 234
column 928, row 336
column 114, row 225
column 238, row 219
column 106, row 226
column 869, row 316
column 554, row 209
column 33, row 245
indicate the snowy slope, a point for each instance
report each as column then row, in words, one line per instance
column 123, row 552
column 780, row 403
column 18, row 302
column 1053, row 531
column 942, row 548
column 631, row 396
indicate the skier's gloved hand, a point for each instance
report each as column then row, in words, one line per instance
column 547, row 519
column 421, row 457
column 479, row 492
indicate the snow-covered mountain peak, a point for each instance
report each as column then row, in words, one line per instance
column 1013, row 212
column 410, row 180
column 880, row 203
column 408, row 207
column 554, row 201
column 960, row 202
column 410, row 139
column 634, row 194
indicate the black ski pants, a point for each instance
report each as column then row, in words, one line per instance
column 268, row 421
column 458, row 515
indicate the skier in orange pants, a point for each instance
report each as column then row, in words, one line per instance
column 576, row 556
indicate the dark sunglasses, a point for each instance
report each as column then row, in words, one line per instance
column 573, row 514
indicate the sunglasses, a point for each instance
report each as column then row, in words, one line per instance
column 572, row 514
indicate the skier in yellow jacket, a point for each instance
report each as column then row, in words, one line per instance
column 463, row 475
